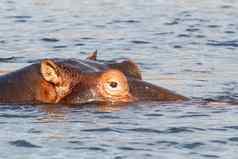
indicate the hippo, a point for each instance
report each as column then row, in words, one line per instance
column 76, row 82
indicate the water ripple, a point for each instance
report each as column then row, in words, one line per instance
column 218, row 141
column 192, row 29
column 90, row 148
column 231, row 127
column 194, row 43
column 12, row 59
column 154, row 115
column 16, row 116
column 233, row 139
column 213, row 26
column 232, row 43
column 217, row 129
column 124, row 21
column 193, row 115
column 167, row 143
column 145, row 130
column 184, row 35
column 178, row 130
column 60, row 46
column 20, row 17
column 79, row 44
column 192, row 145
column 210, row 156
column 171, row 130
column 101, row 130
column 230, row 32
column 140, row 42
column 171, row 23
column 23, row 143
column 50, row 39
column 130, row 148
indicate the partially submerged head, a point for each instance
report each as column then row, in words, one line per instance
column 76, row 82
column 109, row 86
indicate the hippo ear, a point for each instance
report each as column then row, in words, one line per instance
column 93, row 56
column 128, row 67
column 49, row 71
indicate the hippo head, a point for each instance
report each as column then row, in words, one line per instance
column 110, row 85
column 95, row 81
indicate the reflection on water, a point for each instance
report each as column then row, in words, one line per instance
column 185, row 45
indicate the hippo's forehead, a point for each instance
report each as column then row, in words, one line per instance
column 129, row 68
column 81, row 65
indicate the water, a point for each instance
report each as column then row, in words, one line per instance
column 188, row 46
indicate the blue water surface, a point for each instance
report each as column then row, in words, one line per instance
column 188, row 46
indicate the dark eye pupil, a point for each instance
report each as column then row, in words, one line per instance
column 113, row 84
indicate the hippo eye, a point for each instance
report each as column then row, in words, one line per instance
column 113, row 84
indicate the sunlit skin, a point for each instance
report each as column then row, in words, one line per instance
column 113, row 85
column 77, row 82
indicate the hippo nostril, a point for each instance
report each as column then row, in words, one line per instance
column 113, row 84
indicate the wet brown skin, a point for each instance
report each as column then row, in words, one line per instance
column 76, row 82
column 29, row 86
